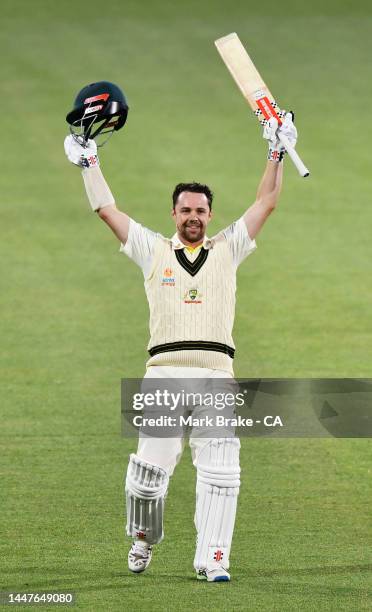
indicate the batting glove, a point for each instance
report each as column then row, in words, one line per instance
column 83, row 156
column 271, row 133
column 288, row 129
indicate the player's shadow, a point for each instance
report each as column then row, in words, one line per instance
column 270, row 580
column 85, row 582
column 328, row 570
column 310, row 589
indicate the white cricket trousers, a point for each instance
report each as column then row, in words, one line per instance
column 166, row 452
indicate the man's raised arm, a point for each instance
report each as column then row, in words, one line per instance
column 266, row 199
column 118, row 221
column 98, row 192
column 271, row 183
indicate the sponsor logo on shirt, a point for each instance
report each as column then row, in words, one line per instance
column 168, row 279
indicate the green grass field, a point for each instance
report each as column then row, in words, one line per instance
column 74, row 316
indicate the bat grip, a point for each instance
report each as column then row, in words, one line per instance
column 294, row 156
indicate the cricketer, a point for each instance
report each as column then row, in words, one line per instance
column 190, row 333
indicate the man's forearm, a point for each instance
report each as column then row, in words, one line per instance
column 99, row 193
column 270, row 186
column 97, row 190
column 117, row 221
column 102, row 201
column 266, row 198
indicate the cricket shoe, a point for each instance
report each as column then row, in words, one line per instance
column 201, row 574
column 139, row 556
column 218, row 574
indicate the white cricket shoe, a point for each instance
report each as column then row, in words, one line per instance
column 139, row 556
column 218, row 574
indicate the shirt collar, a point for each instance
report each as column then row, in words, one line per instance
column 178, row 244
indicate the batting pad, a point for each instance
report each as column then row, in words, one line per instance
column 217, row 489
column 145, row 487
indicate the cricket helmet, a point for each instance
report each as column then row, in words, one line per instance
column 99, row 108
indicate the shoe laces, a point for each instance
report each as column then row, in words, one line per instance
column 141, row 548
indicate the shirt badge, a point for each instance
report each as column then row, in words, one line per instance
column 168, row 279
column 192, row 296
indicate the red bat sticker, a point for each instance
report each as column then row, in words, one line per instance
column 267, row 109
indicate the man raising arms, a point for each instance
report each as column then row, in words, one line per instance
column 191, row 321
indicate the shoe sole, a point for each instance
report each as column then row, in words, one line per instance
column 203, row 577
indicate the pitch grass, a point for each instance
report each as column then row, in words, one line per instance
column 74, row 319
column 300, row 543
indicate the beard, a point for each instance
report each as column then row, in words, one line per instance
column 192, row 232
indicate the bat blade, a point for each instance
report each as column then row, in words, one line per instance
column 246, row 75
column 253, row 88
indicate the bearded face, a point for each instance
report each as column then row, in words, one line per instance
column 192, row 231
column 192, row 215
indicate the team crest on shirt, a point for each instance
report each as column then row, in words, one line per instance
column 168, row 279
column 192, row 296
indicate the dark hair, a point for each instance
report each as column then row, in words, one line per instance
column 194, row 188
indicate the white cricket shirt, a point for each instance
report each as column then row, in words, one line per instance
column 191, row 296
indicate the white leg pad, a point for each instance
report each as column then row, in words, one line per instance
column 217, row 489
column 145, row 487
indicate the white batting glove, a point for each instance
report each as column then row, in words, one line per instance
column 85, row 157
column 288, row 129
column 276, row 150
column 271, row 133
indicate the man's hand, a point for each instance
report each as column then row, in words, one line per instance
column 271, row 133
column 85, row 157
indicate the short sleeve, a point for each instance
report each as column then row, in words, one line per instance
column 239, row 241
column 140, row 245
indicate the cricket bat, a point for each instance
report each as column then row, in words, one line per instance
column 253, row 88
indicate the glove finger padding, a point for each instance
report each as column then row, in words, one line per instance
column 83, row 156
column 276, row 149
column 269, row 132
column 288, row 129
column 272, row 133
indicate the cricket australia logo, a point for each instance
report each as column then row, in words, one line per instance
column 192, row 296
column 168, row 279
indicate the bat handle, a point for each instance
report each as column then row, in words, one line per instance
column 294, row 156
